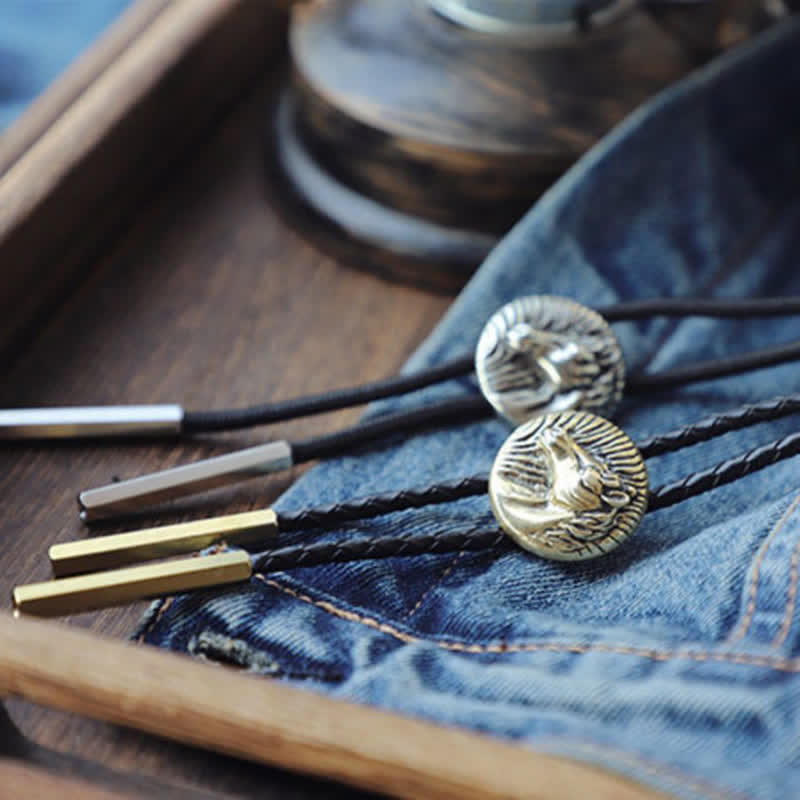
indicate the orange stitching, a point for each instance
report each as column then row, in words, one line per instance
column 350, row 616
column 167, row 602
column 438, row 583
column 791, row 599
column 747, row 619
column 771, row 662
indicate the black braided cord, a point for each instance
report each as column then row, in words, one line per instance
column 416, row 544
column 378, row 505
column 335, row 514
column 195, row 422
column 383, row 547
column 726, row 422
column 727, row 472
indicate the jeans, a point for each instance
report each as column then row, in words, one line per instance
column 675, row 659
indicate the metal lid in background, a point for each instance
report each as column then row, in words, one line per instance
column 531, row 19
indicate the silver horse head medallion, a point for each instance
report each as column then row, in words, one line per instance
column 543, row 353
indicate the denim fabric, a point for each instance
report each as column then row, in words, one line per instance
column 38, row 39
column 675, row 659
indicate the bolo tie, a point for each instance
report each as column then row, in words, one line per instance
column 536, row 355
column 567, row 484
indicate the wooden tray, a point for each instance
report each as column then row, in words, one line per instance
column 143, row 260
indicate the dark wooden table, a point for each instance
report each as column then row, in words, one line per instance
column 211, row 300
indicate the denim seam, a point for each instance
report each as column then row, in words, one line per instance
column 777, row 663
column 435, row 585
column 791, row 599
column 744, row 625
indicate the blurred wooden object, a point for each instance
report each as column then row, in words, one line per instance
column 458, row 130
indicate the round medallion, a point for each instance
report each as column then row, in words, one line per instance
column 568, row 486
column 543, row 353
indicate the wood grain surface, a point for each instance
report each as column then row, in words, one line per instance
column 210, row 300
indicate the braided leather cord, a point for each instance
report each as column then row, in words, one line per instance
column 720, row 424
column 384, row 547
column 720, row 308
column 378, row 505
column 727, row 472
column 333, row 515
column 394, row 546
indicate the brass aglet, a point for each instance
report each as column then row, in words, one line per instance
column 120, row 586
column 150, row 544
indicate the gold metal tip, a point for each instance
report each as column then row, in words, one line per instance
column 120, row 549
column 120, row 586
